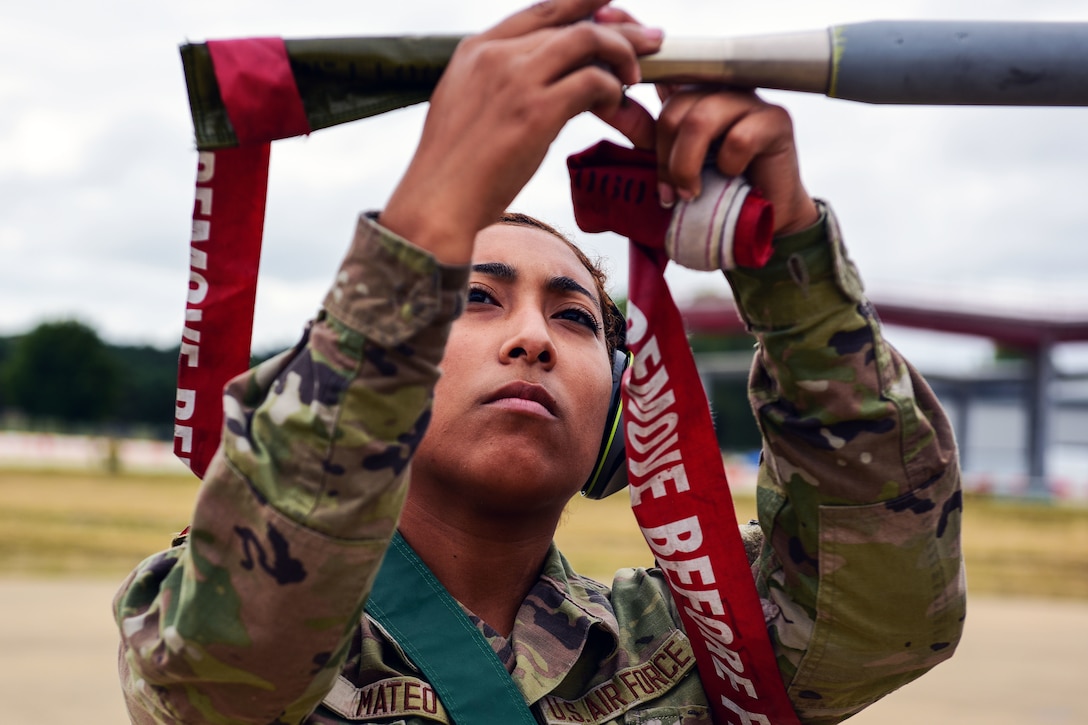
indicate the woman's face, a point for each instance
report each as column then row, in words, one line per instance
column 521, row 405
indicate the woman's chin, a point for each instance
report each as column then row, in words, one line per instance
column 502, row 474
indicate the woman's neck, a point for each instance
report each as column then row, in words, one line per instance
column 486, row 562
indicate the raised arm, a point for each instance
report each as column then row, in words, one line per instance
column 859, row 489
column 249, row 618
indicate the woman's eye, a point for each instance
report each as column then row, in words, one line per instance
column 480, row 295
column 582, row 317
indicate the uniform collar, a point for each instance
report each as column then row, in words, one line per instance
column 565, row 628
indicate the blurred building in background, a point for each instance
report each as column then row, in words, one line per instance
column 1020, row 409
column 1021, row 420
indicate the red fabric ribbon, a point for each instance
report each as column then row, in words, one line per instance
column 678, row 487
column 224, row 254
column 263, row 103
column 679, row 492
column 258, row 89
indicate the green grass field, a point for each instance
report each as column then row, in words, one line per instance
column 87, row 524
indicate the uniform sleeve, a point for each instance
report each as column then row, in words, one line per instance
column 859, row 493
column 248, row 621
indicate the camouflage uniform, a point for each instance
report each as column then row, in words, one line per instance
column 258, row 616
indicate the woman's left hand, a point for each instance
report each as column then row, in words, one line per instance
column 746, row 135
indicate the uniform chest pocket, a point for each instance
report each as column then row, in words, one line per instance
column 688, row 715
column 655, row 689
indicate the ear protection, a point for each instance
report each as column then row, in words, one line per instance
column 610, row 471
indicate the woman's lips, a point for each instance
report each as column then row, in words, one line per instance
column 524, row 397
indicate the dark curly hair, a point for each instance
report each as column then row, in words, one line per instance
column 615, row 326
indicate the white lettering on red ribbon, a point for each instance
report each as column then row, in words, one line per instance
column 657, row 472
column 224, row 256
column 185, row 403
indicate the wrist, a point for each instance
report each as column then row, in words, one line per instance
column 430, row 227
column 802, row 214
column 808, row 275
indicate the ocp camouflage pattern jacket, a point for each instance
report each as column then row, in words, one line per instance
column 257, row 616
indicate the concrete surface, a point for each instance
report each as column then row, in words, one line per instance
column 1021, row 661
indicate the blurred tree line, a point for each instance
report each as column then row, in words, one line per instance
column 62, row 376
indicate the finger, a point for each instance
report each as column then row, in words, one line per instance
column 544, row 14
column 631, row 119
column 665, row 90
column 763, row 131
column 666, row 130
column 614, row 47
column 646, row 39
column 590, row 88
column 610, row 14
column 706, row 119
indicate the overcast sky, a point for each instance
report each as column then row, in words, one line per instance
column 97, row 161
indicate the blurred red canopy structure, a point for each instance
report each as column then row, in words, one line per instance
column 1034, row 333
column 1024, row 331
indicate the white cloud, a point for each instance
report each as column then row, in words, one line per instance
column 97, row 162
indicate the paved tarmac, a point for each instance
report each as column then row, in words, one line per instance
column 1021, row 661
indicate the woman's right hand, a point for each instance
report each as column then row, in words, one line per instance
column 500, row 103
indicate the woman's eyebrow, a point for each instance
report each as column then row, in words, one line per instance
column 562, row 283
column 499, row 270
column 558, row 283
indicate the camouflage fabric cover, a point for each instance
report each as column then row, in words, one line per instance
column 257, row 617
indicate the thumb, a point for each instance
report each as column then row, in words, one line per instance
column 631, row 119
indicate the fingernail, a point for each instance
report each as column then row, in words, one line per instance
column 653, row 33
column 685, row 194
column 665, row 195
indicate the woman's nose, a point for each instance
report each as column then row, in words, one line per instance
column 529, row 342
